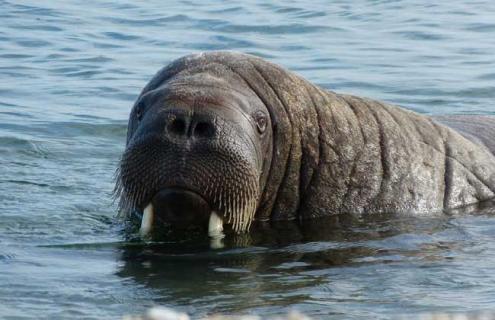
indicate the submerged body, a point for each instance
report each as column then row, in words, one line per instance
column 236, row 138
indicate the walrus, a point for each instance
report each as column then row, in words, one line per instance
column 222, row 139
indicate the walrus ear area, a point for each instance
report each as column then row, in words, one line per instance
column 261, row 120
column 137, row 113
column 134, row 119
column 139, row 110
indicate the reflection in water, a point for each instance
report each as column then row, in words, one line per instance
column 279, row 263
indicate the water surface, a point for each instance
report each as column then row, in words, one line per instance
column 70, row 71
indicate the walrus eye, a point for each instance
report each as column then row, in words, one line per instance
column 139, row 112
column 261, row 121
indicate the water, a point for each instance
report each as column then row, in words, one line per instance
column 70, row 71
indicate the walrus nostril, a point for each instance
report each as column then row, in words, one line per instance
column 177, row 126
column 183, row 126
column 204, row 129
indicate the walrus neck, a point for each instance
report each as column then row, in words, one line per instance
column 295, row 149
column 315, row 154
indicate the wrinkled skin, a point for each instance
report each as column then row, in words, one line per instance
column 289, row 149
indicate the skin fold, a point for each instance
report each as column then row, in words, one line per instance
column 320, row 153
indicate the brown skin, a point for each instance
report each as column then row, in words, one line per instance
column 304, row 151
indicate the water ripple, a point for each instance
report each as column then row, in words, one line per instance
column 70, row 74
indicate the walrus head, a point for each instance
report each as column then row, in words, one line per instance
column 199, row 146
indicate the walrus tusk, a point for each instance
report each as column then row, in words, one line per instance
column 215, row 231
column 147, row 220
column 215, row 226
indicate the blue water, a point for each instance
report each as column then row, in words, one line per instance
column 69, row 72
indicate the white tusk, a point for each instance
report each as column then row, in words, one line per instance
column 215, row 231
column 147, row 220
column 215, row 226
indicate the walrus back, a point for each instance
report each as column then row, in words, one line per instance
column 477, row 128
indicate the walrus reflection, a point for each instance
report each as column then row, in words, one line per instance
column 282, row 264
column 338, row 241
